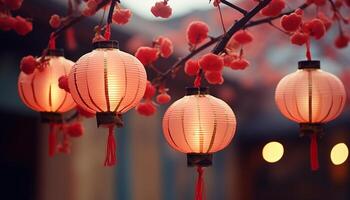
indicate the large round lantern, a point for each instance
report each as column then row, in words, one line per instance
column 310, row 97
column 108, row 82
column 40, row 91
column 199, row 125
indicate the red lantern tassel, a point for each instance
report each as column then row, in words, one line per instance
column 314, row 152
column 199, row 195
column 52, row 140
column 111, row 148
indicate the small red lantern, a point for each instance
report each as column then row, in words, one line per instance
column 108, row 82
column 199, row 125
column 40, row 91
column 310, row 97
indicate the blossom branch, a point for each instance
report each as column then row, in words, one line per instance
column 239, row 9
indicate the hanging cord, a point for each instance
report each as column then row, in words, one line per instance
column 52, row 139
column 111, row 158
column 198, row 79
column 221, row 19
column 314, row 152
column 308, row 50
column 52, row 42
column 199, row 195
column 107, row 34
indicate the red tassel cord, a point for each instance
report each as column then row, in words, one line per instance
column 52, row 42
column 314, row 152
column 199, row 195
column 71, row 42
column 108, row 32
column 308, row 50
column 52, row 140
column 65, row 145
column 111, row 158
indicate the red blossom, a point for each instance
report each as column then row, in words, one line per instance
column 146, row 108
column 163, row 98
column 211, row 62
column 291, row 22
column 150, row 91
column 214, row 77
column 315, row 28
column 299, row 38
column 239, row 64
column 84, row 112
column 22, row 26
column 341, row 41
column 232, row 44
column 28, row 64
column 63, row 83
column 55, row 21
column 7, row 23
column 161, row 9
column 75, row 129
column 243, row 37
column 122, row 16
column 191, row 67
column 92, row 4
column 274, row 8
column 326, row 21
column 165, row 46
column 197, row 32
column 13, row 4
column 146, row 55
column 229, row 58
column 347, row 2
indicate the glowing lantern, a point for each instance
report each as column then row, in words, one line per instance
column 108, row 82
column 40, row 91
column 310, row 97
column 199, row 125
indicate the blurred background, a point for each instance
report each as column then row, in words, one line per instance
column 148, row 169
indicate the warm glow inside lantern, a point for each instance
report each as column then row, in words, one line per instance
column 310, row 97
column 40, row 91
column 108, row 82
column 199, row 125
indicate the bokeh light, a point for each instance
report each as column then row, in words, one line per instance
column 339, row 154
column 272, row 152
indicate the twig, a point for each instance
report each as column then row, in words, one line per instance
column 239, row 9
column 77, row 19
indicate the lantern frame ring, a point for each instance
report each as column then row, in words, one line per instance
column 199, row 159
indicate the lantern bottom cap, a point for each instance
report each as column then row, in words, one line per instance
column 51, row 117
column 199, row 159
column 311, row 128
column 108, row 119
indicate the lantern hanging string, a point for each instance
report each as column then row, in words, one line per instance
column 107, row 34
column 308, row 50
column 111, row 148
column 52, row 139
column 314, row 152
column 52, row 42
column 200, row 193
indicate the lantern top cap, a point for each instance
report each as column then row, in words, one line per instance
column 106, row 44
column 309, row 64
column 55, row 52
column 196, row 90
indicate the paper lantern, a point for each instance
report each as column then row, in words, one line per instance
column 199, row 125
column 108, row 82
column 40, row 91
column 310, row 97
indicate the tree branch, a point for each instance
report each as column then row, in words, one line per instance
column 77, row 19
column 239, row 9
column 239, row 25
column 183, row 60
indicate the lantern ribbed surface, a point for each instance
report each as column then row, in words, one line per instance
column 107, row 80
column 199, row 123
column 310, row 96
column 40, row 91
